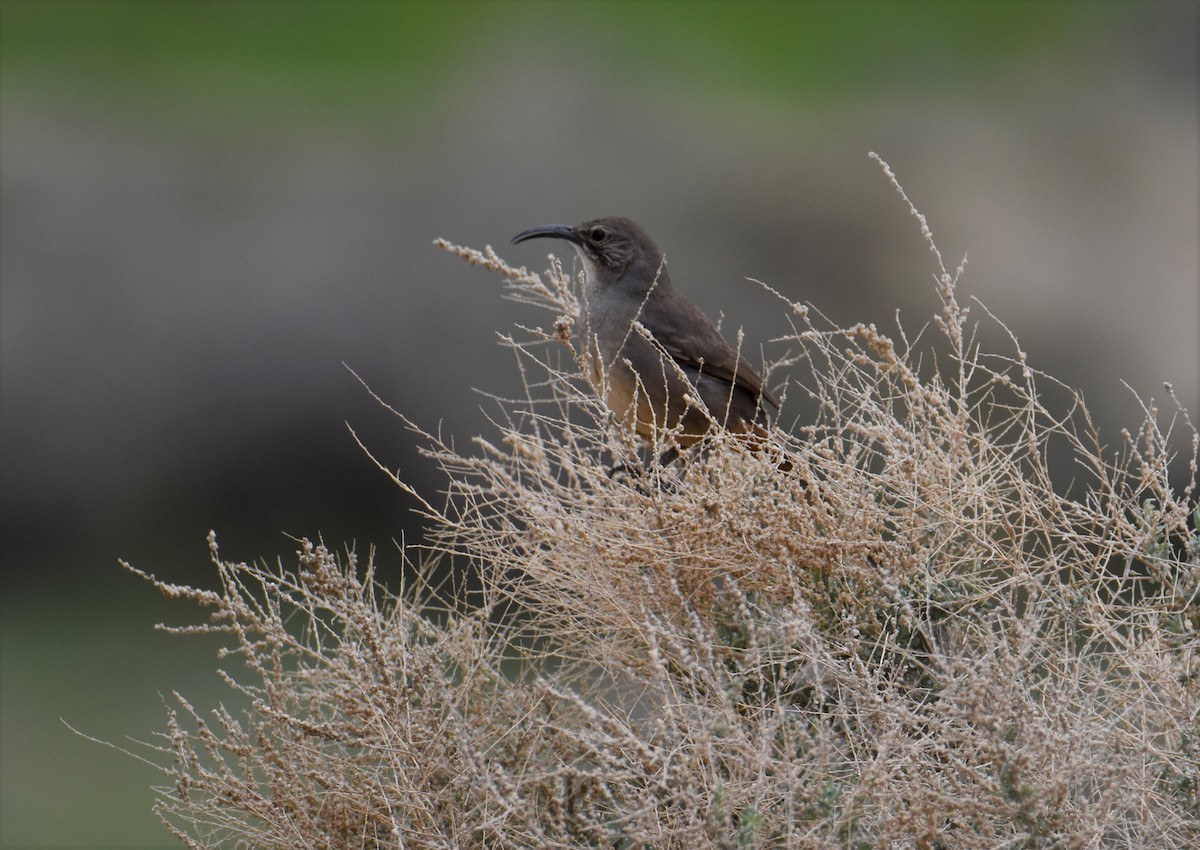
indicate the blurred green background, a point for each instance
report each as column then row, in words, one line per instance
column 206, row 208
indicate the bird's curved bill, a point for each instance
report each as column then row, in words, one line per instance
column 548, row 231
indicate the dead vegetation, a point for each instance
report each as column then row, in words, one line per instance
column 911, row 638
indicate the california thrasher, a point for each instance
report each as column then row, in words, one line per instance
column 645, row 382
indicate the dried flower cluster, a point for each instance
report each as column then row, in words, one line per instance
column 887, row 629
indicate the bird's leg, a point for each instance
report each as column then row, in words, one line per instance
column 618, row 469
column 669, row 456
column 631, row 469
column 641, row 471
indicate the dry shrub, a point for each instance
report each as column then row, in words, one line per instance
column 887, row 629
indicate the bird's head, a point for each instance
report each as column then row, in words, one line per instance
column 608, row 248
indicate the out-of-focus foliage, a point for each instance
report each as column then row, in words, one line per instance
column 331, row 48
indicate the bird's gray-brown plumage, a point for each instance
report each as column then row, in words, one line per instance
column 627, row 280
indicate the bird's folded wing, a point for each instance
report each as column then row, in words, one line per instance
column 696, row 345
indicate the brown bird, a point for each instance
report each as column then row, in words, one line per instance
column 645, row 382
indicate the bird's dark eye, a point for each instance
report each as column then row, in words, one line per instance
column 598, row 235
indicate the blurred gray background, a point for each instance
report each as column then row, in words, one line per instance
column 207, row 208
